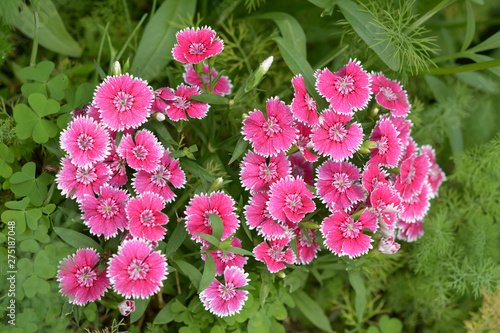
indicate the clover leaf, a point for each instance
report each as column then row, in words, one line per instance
column 30, row 122
column 24, row 183
column 6, row 156
column 40, row 74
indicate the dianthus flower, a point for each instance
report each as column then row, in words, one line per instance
column 306, row 250
column 146, row 218
column 86, row 141
column 225, row 259
column 387, row 203
column 106, row 214
column 117, row 164
column 274, row 135
column 388, row 245
column 257, row 216
column 290, row 199
column 372, row 176
column 344, row 236
column 417, row 206
column 136, row 271
column 168, row 171
column 334, row 138
column 302, row 168
column 411, row 178
column 182, row 104
column 304, row 142
column 436, row 176
column 390, row 95
column 410, row 232
column 195, row 45
column 124, row 102
column 222, row 87
column 126, row 307
column 347, row 90
column 276, row 254
column 144, row 153
column 162, row 96
column 388, row 147
column 226, row 299
column 303, row 106
column 76, row 181
column 403, row 126
column 335, row 184
column 79, row 280
column 257, row 175
column 199, row 208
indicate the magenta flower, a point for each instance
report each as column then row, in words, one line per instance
column 388, row 245
column 199, row 208
column 222, row 87
column 436, row 176
column 335, row 184
column 276, row 254
column 124, row 102
column 226, row 299
column 344, row 236
column 117, row 164
column 417, row 206
column 413, row 174
column 182, row 104
column 386, row 202
column 290, row 199
column 304, row 142
column 168, row 171
column 144, row 153
column 334, row 138
column 195, row 45
column 306, row 251
column 403, row 126
column 410, row 232
column 75, row 181
column 257, row 175
column 146, row 218
column 79, row 279
column 303, row 106
column 388, row 147
column 347, row 90
column 126, row 307
column 162, row 95
column 271, row 136
column 105, row 215
column 86, row 141
column 257, row 216
column 372, row 176
column 390, row 95
column 136, row 271
column 227, row 259
column 302, row 168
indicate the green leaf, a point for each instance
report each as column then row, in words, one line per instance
column 27, row 120
column 52, row 33
column 390, row 325
column 358, row 284
column 31, row 123
column 161, row 130
column 76, row 239
column 290, row 29
column 197, row 170
column 241, row 147
column 238, row 250
column 18, row 205
column 24, row 183
column 471, row 26
column 190, row 271
column 491, row 43
column 43, row 106
column 16, row 216
column 366, row 27
column 165, row 315
column 311, row 310
column 209, row 238
column 6, row 156
column 29, row 245
column 83, row 94
column 482, row 58
column 155, row 48
column 30, row 286
column 32, row 217
column 32, row 88
column 39, row 73
column 176, row 239
column 42, row 266
column 57, row 86
column 279, row 311
column 210, row 99
column 140, row 308
column 217, row 226
column 208, row 273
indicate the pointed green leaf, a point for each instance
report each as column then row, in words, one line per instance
column 190, row 271
column 217, row 226
column 238, row 250
column 209, row 238
column 208, row 273
column 491, row 43
column 471, row 26
column 210, row 99
column 358, row 284
column 241, row 147
column 290, row 29
column 76, row 239
column 311, row 310
column 176, row 239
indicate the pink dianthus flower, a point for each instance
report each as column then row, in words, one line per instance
column 146, row 218
column 302, row 168
column 388, row 147
column 144, row 153
column 410, row 232
column 390, row 95
column 227, row 259
column 306, row 250
column 257, row 175
column 436, row 176
column 290, row 199
column 304, row 141
column 182, row 104
column 388, row 245
column 222, row 87
column 126, row 307
column 276, row 254
column 303, row 106
column 162, row 98
column 386, row 202
column 417, row 206
column 257, row 216
column 372, row 176
column 413, row 174
column 195, row 45
column 117, row 164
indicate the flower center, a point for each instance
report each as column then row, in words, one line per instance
column 381, row 205
column 383, row 145
column 341, row 182
column 388, row 93
column 350, row 229
column 272, row 127
column 140, row 152
column 227, row 291
column 268, row 172
column 108, row 208
column 160, row 176
column 293, row 202
column 197, row 48
column 182, row 102
column 225, row 258
column 85, row 141
column 123, row 101
column 86, row 276
column 147, row 217
column 411, row 174
column 85, row 176
column 311, row 104
column 276, row 253
column 337, row 132
column 345, row 84
column 138, row 270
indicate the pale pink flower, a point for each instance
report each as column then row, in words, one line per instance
column 222, row 87
column 162, row 98
column 106, row 214
column 117, row 164
column 388, row 147
column 76, row 181
column 195, row 45
column 157, row 181
column 257, row 216
column 410, row 232
column 372, row 176
column 304, row 142
column 290, row 199
column 144, row 153
column 390, row 95
column 182, row 104
column 334, row 138
column 124, row 102
column 417, row 206
column 257, row 174
column 336, row 184
column 306, row 247
column 275, row 254
column 386, row 202
column 344, row 236
column 274, row 135
column 388, row 245
column 146, row 218
column 302, row 168
column 136, row 271
column 86, row 141
column 199, row 208
column 225, row 259
column 79, row 279
column 226, row 299
column 347, row 90
column 303, row 106
column 436, row 176
column 411, row 178
column 126, row 307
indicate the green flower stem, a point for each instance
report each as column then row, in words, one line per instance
column 130, row 37
column 34, row 50
column 428, row 15
column 462, row 68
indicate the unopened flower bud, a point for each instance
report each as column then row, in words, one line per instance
column 366, row 147
column 258, row 75
column 159, row 116
column 117, row 68
column 281, row 274
column 264, row 66
column 126, row 307
column 388, row 246
column 216, row 184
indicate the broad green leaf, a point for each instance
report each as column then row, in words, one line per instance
column 190, row 271
column 210, row 99
column 18, row 205
column 176, row 239
column 76, row 239
column 366, row 27
column 43, row 131
column 32, row 217
column 42, row 266
column 390, row 325
column 241, row 147
column 311, row 310
column 34, row 87
column 290, row 29
column 279, row 311
column 57, row 86
column 41, row 234
column 257, row 324
column 217, row 226
column 358, row 284
column 471, row 26
column 31, row 123
column 296, row 279
column 491, row 43
column 83, row 94
column 30, row 286
column 208, row 273
column 90, row 311
column 155, row 48
column 17, row 216
column 27, row 120
column 165, row 315
column 39, row 73
column 140, row 308
column 24, row 183
column 52, row 34
column 43, row 106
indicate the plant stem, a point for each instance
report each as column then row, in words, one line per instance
column 461, row 69
column 130, row 37
column 34, row 50
column 428, row 15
